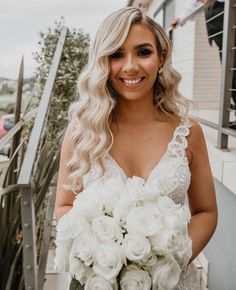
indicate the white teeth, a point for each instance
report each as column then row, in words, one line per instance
column 132, row 81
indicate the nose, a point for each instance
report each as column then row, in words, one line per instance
column 130, row 65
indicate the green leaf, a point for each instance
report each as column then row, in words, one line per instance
column 75, row 285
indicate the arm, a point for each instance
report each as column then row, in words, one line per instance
column 202, row 199
column 64, row 198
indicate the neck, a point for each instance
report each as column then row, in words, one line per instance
column 136, row 112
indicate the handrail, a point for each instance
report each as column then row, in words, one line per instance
column 30, row 267
column 46, row 237
column 227, row 69
column 226, row 79
column 28, row 162
column 6, row 138
column 191, row 14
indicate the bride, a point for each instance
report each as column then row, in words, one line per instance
column 131, row 121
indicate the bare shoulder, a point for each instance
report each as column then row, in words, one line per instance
column 196, row 140
column 196, row 133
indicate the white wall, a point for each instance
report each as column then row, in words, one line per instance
column 220, row 251
column 183, row 57
column 207, row 68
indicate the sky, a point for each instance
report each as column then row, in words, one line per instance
column 22, row 20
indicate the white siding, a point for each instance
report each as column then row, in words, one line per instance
column 183, row 56
column 197, row 61
column 207, row 68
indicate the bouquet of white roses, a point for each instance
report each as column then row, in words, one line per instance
column 123, row 236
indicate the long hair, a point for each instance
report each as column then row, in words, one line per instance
column 92, row 114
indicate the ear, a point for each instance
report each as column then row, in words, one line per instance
column 161, row 59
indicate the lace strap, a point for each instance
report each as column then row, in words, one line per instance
column 179, row 143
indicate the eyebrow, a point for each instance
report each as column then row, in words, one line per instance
column 141, row 45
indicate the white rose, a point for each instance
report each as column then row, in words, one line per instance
column 148, row 262
column 150, row 194
column 111, row 193
column 184, row 252
column 165, row 273
column 122, row 209
column 131, row 197
column 157, row 247
column 172, row 234
column 61, row 260
column 173, row 237
column 135, row 185
column 166, row 205
column 89, row 204
column 70, row 225
column 167, row 240
column 84, row 247
column 136, row 247
column 106, row 229
column 77, row 268
column 79, row 271
column 99, row 283
column 133, row 278
column 109, row 260
column 136, row 190
column 141, row 221
column 176, row 220
column 141, row 191
column 154, row 210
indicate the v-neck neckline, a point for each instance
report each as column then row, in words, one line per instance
column 144, row 179
column 157, row 164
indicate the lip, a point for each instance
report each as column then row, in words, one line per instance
column 130, row 82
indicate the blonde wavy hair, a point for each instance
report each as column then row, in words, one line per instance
column 93, row 113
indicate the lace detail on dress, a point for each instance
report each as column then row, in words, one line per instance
column 172, row 176
column 189, row 279
column 179, row 142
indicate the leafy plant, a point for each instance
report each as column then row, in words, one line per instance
column 11, row 229
column 74, row 58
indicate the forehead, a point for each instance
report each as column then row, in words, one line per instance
column 138, row 34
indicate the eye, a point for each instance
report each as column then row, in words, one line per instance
column 116, row 54
column 144, row 52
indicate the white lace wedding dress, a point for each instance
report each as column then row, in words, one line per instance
column 171, row 175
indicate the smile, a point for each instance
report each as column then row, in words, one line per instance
column 132, row 83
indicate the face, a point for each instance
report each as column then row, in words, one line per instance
column 134, row 67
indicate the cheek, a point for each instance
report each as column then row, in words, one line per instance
column 114, row 69
column 152, row 67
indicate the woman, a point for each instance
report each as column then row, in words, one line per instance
column 132, row 121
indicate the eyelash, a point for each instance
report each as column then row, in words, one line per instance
column 116, row 55
column 143, row 52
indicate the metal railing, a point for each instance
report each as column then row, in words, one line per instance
column 228, row 48
column 34, row 281
column 227, row 52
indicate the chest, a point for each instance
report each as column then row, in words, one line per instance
column 138, row 152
